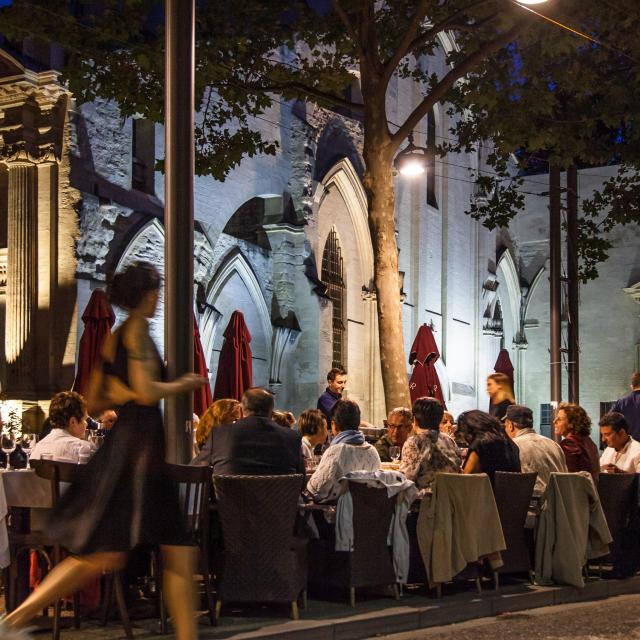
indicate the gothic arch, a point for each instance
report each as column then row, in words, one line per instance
column 345, row 178
column 235, row 265
column 508, row 276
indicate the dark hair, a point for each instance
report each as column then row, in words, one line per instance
column 346, row 415
column 428, row 412
column 64, row 406
column 336, row 371
column 577, row 417
column 614, row 420
column 477, row 425
column 635, row 379
column 311, row 422
column 127, row 288
column 258, row 401
column 284, row 418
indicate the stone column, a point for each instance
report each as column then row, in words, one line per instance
column 22, row 274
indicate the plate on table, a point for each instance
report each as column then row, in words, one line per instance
column 390, row 466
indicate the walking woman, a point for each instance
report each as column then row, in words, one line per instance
column 125, row 497
column 500, row 394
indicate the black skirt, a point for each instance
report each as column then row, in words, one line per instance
column 124, row 496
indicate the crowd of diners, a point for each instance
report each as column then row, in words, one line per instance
column 250, row 436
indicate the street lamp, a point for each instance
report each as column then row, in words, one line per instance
column 412, row 160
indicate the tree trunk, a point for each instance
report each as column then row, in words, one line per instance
column 378, row 184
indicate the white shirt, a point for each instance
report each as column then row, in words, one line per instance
column 307, row 449
column 627, row 459
column 336, row 462
column 62, row 447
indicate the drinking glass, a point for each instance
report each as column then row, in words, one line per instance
column 97, row 439
column 8, row 442
column 28, row 442
column 394, row 453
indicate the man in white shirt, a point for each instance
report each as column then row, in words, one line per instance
column 66, row 443
column 537, row 453
column 622, row 454
column 348, row 452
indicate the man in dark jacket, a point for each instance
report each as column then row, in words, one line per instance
column 254, row 445
column 629, row 407
column 336, row 382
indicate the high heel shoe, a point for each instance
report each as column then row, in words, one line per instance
column 11, row 633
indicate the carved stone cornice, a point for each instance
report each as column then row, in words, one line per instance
column 18, row 153
column 42, row 88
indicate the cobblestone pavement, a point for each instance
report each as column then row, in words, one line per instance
column 613, row 619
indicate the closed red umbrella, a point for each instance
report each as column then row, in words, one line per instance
column 504, row 365
column 201, row 397
column 235, row 368
column 98, row 318
column 424, row 378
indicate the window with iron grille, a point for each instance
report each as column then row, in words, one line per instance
column 333, row 278
column 605, row 407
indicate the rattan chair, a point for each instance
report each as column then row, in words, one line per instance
column 370, row 563
column 262, row 560
column 513, row 493
column 619, row 498
column 58, row 473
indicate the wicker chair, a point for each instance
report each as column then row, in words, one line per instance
column 619, row 497
column 58, row 473
column 513, row 493
column 370, row 563
column 262, row 560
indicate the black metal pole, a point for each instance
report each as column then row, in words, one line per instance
column 555, row 288
column 178, row 217
column 573, row 299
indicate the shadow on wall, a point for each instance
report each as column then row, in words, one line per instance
column 334, row 144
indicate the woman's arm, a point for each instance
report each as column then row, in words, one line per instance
column 143, row 366
column 472, row 464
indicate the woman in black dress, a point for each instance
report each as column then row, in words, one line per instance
column 124, row 497
column 490, row 448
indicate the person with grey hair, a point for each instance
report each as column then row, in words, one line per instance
column 399, row 426
column 537, row 453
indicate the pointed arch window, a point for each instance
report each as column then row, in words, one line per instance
column 432, row 198
column 333, row 277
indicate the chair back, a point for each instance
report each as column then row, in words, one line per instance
column 57, row 473
column 194, row 485
column 619, row 498
column 257, row 515
column 513, row 493
column 371, row 562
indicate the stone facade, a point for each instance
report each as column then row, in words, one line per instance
column 261, row 233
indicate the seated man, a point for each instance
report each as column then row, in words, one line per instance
column 313, row 426
column 253, row 445
column 348, row 452
column 399, row 425
column 537, row 453
column 66, row 443
column 622, row 454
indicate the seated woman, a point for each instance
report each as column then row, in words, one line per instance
column 574, row 425
column 490, row 448
column 284, row 419
column 224, row 411
column 428, row 451
column 313, row 428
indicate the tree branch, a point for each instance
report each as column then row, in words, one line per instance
column 439, row 92
column 447, row 23
column 389, row 67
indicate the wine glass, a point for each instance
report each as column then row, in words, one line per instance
column 394, row 453
column 28, row 442
column 8, row 443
